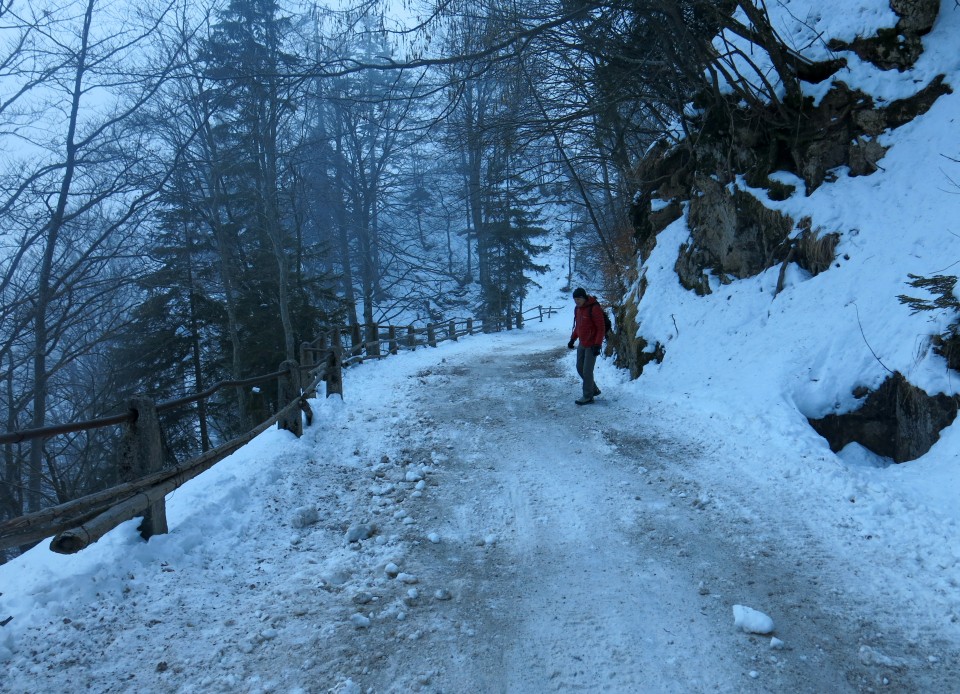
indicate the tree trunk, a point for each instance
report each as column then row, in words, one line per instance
column 12, row 476
column 44, row 279
column 195, row 347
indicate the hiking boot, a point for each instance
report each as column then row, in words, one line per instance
column 596, row 391
column 583, row 401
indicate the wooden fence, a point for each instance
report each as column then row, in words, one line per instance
column 145, row 481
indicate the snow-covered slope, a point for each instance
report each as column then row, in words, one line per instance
column 749, row 351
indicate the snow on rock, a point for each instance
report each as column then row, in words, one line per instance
column 348, row 686
column 360, row 531
column 872, row 656
column 304, row 516
column 752, row 621
column 359, row 621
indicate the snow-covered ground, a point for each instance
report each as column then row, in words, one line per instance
column 518, row 543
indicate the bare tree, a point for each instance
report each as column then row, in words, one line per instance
column 76, row 198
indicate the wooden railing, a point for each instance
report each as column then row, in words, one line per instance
column 146, row 482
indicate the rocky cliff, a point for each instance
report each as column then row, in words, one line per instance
column 724, row 183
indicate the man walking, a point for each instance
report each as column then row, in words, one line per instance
column 590, row 328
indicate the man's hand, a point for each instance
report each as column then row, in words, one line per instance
column 570, row 345
column 596, row 351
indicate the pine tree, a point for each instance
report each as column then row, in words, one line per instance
column 178, row 333
column 508, row 246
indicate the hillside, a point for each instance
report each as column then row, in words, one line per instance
column 769, row 280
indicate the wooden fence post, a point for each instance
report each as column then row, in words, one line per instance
column 141, row 452
column 308, row 358
column 453, row 329
column 334, row 377
column 288, row 389
column 431, row 335
column 469, row 326
column 393, row 345
column 306, row 354
column 411, row 337
column 373, row 339
column 336, row 338
column 356, row 340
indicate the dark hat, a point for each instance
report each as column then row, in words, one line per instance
column 579, row 293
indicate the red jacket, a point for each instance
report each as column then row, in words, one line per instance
column 588, row 324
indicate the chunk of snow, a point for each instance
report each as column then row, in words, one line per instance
column 871, row 656
column 304, row 516
column 752, row 621
column 360, row 531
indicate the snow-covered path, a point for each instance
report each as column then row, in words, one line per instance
column 571, row 594
column 517, row 543
column 612, row 569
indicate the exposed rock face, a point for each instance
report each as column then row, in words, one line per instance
column 732, row 233
column 667, row 175
column 900, row 46
column 898, row 421
column 947, row 345
column 631, row 351
column 843, row 131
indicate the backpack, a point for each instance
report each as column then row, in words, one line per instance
column 607, row 324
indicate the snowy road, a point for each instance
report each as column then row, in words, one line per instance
column 505, row 540
column 612, row 570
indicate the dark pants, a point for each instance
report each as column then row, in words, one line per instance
column 585, row 361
